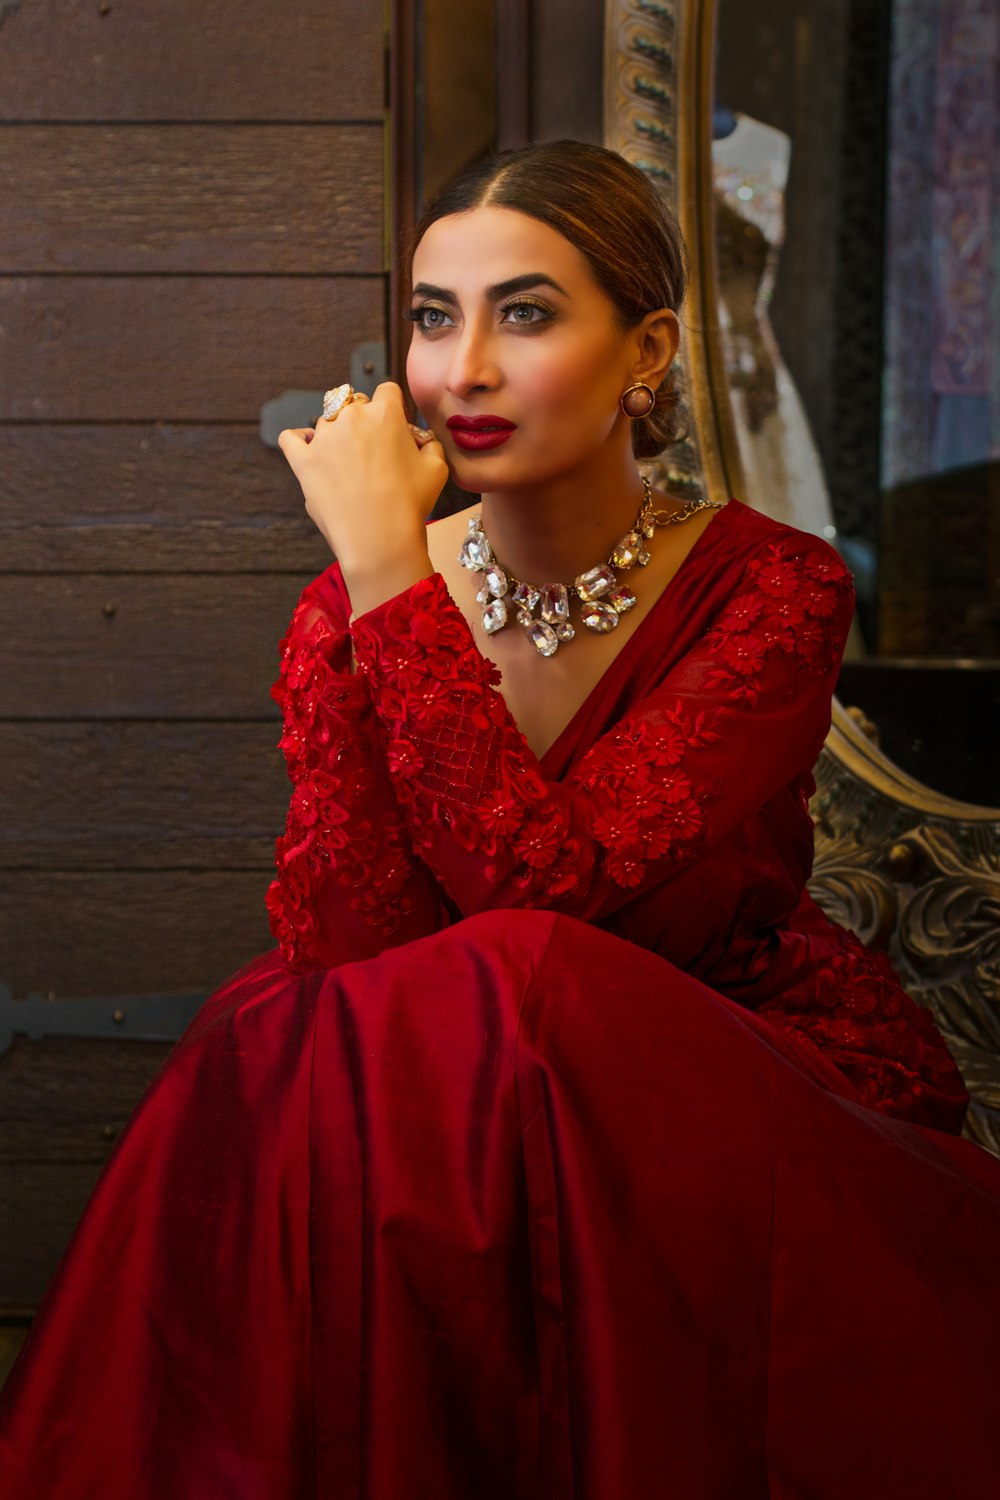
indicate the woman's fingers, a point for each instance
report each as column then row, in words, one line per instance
column 387, row 399
column 289, row 438
column 388, row 393
column 389, row 396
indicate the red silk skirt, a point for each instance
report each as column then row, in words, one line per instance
column 518, row 1210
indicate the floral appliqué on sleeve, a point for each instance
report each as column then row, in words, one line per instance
column 784, row 613
column 338, row 830
column 854, row 1009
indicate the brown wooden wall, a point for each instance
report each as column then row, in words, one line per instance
column 191, row 223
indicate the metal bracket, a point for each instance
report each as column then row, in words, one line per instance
column 302, row 408
column 137, row 1018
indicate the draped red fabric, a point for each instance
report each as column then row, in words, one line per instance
column 562, row 1148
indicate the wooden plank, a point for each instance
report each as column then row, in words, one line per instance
column 141, row 796
column 67, row 1098
column 514, row 49
column 407, row 149
column 202, row 198
column 12, row 1337
column 87, row 646
column 40, row 1206
column 63, row 1105
column 141, row 933
column 175, row 348
column 232, row 60
column 150, row 499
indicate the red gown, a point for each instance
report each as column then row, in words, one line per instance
column 562, row 1148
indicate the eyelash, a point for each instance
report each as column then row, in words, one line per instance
column 416, row 314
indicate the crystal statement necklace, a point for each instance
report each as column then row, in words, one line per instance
column 602, row 598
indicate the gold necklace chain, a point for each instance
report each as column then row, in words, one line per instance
column 602, row 598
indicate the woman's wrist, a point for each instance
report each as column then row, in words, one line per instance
column 369, row 585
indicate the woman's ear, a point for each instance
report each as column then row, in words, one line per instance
column 656, row 340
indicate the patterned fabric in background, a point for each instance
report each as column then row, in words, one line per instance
column 942, row 388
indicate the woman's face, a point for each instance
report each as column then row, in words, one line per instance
column 510, row 324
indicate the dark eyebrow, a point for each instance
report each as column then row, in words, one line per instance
column 493, row 293
column 522, row 284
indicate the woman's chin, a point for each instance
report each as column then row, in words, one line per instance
column 475, row 475
column 465, row 476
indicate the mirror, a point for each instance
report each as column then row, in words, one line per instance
column 852, row 156
column 854, row 207
column 821, row 294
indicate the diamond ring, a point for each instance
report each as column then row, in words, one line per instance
column 336, row 399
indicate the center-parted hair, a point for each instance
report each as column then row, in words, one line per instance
column 617, row 220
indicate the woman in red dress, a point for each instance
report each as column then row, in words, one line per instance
column 562, row 1148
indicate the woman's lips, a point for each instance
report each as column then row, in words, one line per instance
column 469, row 438
column 477, row 433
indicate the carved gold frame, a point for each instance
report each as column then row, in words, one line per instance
column 912, row 871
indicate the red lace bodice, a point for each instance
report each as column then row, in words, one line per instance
column 417, row 801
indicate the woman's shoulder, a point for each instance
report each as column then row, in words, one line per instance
column 764, row 537
column 755, row 525
column 794, row 595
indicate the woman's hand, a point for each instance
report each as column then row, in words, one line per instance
column 367, row 485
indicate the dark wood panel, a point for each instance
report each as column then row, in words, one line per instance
column 63, row 1105
column 140, row 933
column 175, row 348
column 140, row 796
column 231, row 60
column 40, row 1205
column 202, row 198
column 150, row 499
column 173, row 646
column 13, row 1332
column 67, row 1098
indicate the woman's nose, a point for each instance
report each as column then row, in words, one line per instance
column 473, row 365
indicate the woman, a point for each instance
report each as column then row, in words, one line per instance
column 563, row 1148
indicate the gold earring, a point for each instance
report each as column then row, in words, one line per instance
column 638, row 401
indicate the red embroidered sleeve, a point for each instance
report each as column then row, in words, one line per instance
column 348, row 882
column 739, row 717
column 854, row 1009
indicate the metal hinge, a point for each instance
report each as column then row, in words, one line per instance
column 137, row 1018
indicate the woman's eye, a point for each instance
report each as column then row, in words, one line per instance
column 428, row 318
column 526, row 314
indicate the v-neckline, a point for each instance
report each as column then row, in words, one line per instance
column 624, row 656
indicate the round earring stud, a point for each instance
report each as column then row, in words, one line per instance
column 638, row 401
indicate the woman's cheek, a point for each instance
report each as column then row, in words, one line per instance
column 565, row 397
column 420, row 377
column 544, row 383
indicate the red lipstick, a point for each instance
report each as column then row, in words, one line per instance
column 477, row 433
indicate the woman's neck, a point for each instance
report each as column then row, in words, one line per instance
column 552, row 531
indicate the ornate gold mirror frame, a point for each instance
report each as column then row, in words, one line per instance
column 912, row 872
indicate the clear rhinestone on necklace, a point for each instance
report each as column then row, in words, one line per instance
column 603, row 599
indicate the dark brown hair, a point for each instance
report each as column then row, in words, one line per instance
column 614, row 216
